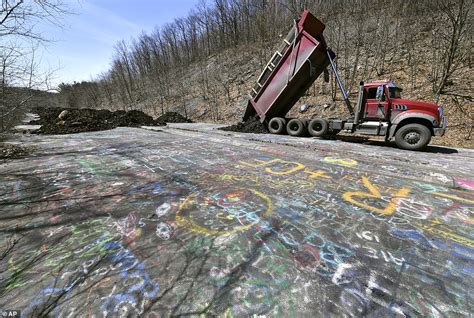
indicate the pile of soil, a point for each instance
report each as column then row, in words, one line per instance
column 252, row 125
column 134, row 118
column 172, row 117
column 46, row 114
column 8, row 151
column 67, row 121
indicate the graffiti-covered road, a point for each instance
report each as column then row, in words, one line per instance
column 134, row 222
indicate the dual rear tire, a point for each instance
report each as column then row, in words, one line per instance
column 277, row 125
column 318, row 127
column 296, row 127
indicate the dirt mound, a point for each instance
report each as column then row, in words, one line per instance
column 8, row 151
column 46, row 115
column 67, row 121
column 252, row 125
column 135, row 118
column 172, row 117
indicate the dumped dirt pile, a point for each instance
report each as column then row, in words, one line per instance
column 46, row 115
column 67, row 121
column 8, row 151
column 134, row 118
column 172, row 117
column 252, row 125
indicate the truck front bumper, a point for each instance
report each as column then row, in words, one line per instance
column 441, row 130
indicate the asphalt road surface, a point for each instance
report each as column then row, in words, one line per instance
column 134, row 222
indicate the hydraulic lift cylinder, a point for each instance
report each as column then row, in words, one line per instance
column 339, row 82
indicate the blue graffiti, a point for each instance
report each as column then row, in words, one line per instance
column 128, row 267
column 124, row 262
column 293, row 215
column 412, row 235
column 461, row 256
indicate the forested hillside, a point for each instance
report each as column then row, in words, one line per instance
column 203, row 65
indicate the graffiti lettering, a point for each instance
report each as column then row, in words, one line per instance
column 344, row 162
column 375, row 194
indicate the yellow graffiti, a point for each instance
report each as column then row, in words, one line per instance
column 374, row 193
column 223, row 216
column 298, row 166
column 453, row 197
column 316, row 174
column 436, row 228
column 260, row 163
column 293, row 167
column 189, row 223
column 345, row 162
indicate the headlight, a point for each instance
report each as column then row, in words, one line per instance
column 440, row 112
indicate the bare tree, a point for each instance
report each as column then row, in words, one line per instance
column 18, row 17
column 448, row 39
column 19, row 63
column 20, row 75
column 195, row 57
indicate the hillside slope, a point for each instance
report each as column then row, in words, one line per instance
column 217, row 90
column 204, row 65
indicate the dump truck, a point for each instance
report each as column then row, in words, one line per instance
column 380, row 109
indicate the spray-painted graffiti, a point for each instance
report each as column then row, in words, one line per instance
column 183, row 223
column 224, row 211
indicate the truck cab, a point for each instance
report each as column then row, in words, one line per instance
column 382, row 111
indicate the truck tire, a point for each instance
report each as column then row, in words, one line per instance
column 413, row 137
column 318, row 127
column 276, row 125
column 295, row 127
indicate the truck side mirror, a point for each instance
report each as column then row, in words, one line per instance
column 379, row 96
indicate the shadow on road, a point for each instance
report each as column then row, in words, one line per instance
column 382, row 143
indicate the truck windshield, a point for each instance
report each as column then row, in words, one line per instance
column 395, row 92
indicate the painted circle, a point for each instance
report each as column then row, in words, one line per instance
column 223, row 211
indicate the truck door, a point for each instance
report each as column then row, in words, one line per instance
column 377, row 103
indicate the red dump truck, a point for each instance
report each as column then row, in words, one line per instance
column 380, row 110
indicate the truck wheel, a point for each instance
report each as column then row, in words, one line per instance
column 413, row 137
column 276, row 125
column 295, row 127
column 318, row 127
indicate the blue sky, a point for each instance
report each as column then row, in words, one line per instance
column 83, row 48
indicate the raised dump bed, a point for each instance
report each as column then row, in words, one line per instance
column 298, row 62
